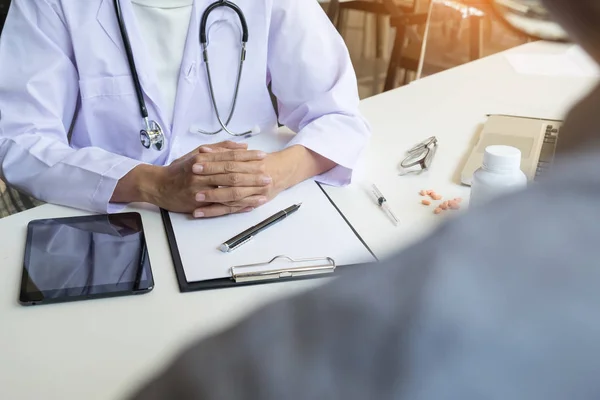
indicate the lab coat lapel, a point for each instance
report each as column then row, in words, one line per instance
column 107, row 18
column 188, row 76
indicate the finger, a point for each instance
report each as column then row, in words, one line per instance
column 234, row 195
column 229, row 167
column 222, row 146
column 216, row 210
column 205, row 149
column 199, row 213
column 228, row 144
column 252, row 201
column 235, row 180
column 239, row 156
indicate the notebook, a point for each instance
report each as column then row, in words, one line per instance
column 535, row 137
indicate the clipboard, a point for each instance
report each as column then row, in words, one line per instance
column 269, row 269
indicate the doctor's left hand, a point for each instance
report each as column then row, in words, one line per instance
column 285, row 169
column 236, row 197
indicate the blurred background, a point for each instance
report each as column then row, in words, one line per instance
column 386, row 37
column 389, row 39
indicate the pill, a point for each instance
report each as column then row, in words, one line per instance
column 425, row 202
column 423, row 192
column 444, row 205
column 429, row 192
column 453, row 205
column 436, row 197
column 458, row 199
column 437, row 211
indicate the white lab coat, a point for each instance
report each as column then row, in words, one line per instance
column 62, row 64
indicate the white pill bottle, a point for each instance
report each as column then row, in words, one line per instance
column 500, row 174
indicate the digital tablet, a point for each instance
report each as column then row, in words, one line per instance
column 89, row 257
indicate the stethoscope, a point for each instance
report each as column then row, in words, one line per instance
column 152, row 135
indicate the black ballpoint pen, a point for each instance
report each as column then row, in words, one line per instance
column 249, row 233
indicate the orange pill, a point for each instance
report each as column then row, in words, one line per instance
column 458, row 199
column 429, row 192
column 425, row 202
column 444, row 205
column 437, row 196
column 437, row 211
column 453, row 205
column 423, row 192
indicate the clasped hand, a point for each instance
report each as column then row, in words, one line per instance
column 218, row 179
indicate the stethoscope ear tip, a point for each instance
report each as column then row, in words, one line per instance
column 255, row 130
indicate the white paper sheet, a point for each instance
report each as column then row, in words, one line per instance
column 573, row 62
column 315, row 230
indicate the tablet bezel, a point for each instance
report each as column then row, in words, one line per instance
column 29, row 297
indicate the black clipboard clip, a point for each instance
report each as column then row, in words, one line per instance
column 291, row 269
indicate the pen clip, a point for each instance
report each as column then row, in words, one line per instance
column 299, row 267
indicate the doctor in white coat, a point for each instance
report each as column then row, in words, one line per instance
column 64, row 68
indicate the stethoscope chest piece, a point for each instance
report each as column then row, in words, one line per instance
column 152, row 136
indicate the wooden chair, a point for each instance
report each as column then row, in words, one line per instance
column 332, row 10
column 407, row 59
column 380, row 8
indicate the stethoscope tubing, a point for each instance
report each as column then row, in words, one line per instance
column 214, row 6
column 204, row 43
column 153, row 132
column 131, row 60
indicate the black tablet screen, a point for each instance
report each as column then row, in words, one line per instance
column 85, row 257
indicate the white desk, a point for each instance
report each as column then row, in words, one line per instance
column 102, row 349
column 99, row 349
column 451, row 105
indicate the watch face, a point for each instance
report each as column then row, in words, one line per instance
column 415, row 157
column 420, row 152
column 425, row 143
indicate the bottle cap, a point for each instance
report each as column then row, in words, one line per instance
column 502, row 158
